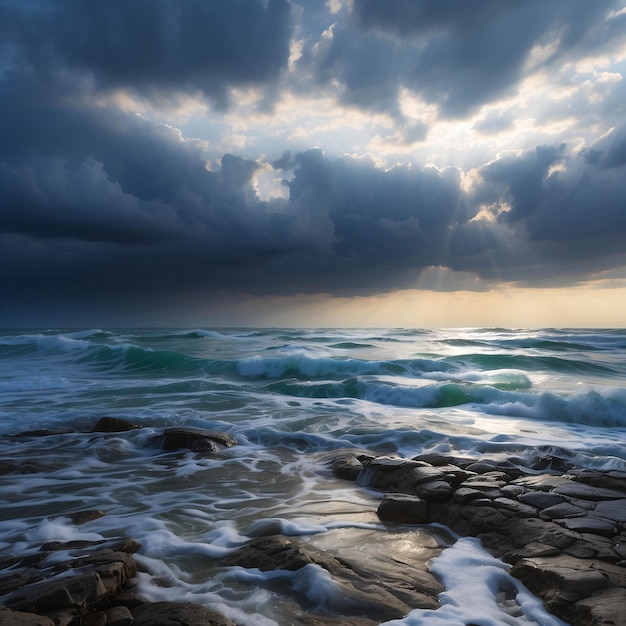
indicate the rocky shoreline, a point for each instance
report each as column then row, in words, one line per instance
column 562, row 528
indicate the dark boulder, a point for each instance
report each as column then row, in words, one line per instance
column 347, row 464
column 191, row 438
column 113, row 425
column 82, row 517
column 403, row 509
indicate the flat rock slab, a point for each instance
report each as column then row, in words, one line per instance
column 614, row 510
column 575, row 590
column 582, row 491
column 543, row 482
column 596, row 526
column 369, row 587
column 562, row 511
column 541, row 500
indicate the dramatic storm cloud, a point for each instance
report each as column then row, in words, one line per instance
column 168, row 151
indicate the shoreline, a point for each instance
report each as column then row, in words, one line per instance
column 562, row 528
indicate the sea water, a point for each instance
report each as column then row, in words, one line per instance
column 290, row 397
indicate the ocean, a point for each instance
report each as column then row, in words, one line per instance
column 289, row 397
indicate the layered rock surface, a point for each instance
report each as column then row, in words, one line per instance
column 562, row 528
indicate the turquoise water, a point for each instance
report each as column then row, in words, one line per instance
column 289, row 397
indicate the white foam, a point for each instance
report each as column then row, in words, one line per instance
column 400, row 395
column 168, row 586
column 474, row 580
column 592, row 407
column 312, row 581
column 59, row 529
column 276, row 525
column 164, row 543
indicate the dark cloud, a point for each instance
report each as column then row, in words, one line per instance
column 458, row 55
column 610, row 152
column 155, row 49
column 579, row 204
column 348, row 225
column 525, row 178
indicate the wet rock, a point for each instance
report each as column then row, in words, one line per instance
column 602, row 607
column 177, row 614
column 118, row 616
column 539, row 531
column 19, row 618
column 77, row 548
column 543, row 482
column 484, row 518
column 434, row 490
column 481, row 467
column 576, row 592
column 596, row 526
column 531, row 550
column 572, row 489
column 437, row 460
column 113, row 425
column 564, row 528
column 403, row 509
column 61, row 599
column 347, row 464
column 568, row 582
column 81, row 576
column 493, row 479
column 270, row 553
column 613, row 510
column 540, row 499
column 513, row 491
column 454, row 474
column 373, row 589
column 562, row 511
column 519, row 509
column 512, row 470
column 97, row 618
column 395, row 474
column 195, row 439
column 606, row 480
column 551, row 463
column 82, row 517
column 465, row 495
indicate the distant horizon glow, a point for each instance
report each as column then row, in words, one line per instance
column 585, row 306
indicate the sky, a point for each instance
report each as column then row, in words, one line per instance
column 413, row 163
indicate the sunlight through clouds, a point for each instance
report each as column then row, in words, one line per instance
column 313, row 148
